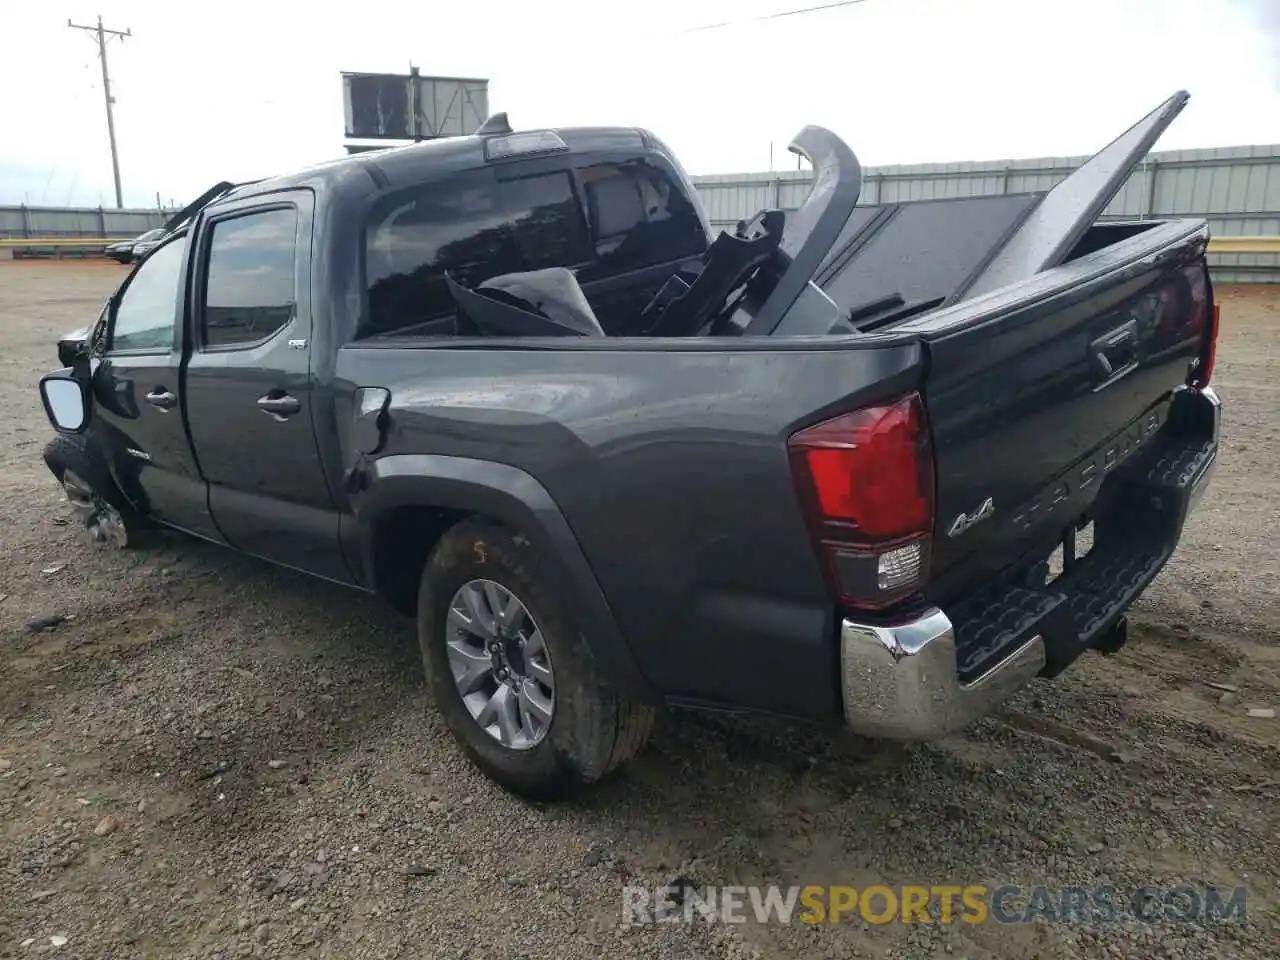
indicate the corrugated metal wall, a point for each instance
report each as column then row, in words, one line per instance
column 1237, row 189
column 75, row 222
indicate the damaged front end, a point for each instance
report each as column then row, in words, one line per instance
column 100, row 518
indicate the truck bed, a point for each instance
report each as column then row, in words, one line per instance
column 669, row 456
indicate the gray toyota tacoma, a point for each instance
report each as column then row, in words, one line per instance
column 819, row 466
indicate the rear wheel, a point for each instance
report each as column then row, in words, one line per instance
column 78, row 464
column 510, row 673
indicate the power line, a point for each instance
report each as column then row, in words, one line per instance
column 774, row 16
column 103, row 35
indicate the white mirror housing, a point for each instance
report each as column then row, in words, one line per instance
column 66, row 402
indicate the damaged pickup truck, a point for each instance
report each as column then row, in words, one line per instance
column 816, row 467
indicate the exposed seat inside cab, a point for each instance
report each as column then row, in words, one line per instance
column 534, row 303
column 616, row 209
column 682, row 309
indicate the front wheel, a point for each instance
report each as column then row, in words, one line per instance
column 80, row 468
column 510, row 673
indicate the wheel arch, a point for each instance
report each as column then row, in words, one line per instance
column 409, row 501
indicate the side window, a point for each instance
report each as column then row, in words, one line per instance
column 639, row 217
column 146, row 316
column 475, row 228
column 249, row 289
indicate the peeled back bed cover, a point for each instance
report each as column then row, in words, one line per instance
column 1057, row 223
column 921, row 250
column 936, row 252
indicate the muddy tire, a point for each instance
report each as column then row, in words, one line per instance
column 78, row 464
column 510, row 672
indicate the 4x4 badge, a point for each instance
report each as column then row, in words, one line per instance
column 967, row 520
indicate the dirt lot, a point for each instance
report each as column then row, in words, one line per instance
column 215, row 758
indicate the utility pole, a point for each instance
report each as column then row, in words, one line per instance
column 103, row 35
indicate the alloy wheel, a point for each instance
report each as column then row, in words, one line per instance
column 500, row 664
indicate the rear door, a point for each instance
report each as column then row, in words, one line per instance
column 138, row 404
column 249, row 388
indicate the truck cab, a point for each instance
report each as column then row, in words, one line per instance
column 222, row 340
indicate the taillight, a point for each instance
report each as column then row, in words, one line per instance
column 1203, row 319
column 865, row 480
column 1209, row 356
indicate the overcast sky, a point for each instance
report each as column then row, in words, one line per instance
column 238, row 90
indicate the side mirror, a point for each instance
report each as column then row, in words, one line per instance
column 66, row 401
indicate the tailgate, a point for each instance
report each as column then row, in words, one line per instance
column 1044, row 397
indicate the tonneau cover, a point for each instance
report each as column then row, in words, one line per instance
column 891, row 260
column 1062, row 216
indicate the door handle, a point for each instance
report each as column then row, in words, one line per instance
column 1115, row 353
column 279, row 405
column 162, row 398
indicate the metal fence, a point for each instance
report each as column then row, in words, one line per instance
column 1237, row 189
column 76, row 223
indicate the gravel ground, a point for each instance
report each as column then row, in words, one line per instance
column 214, row 758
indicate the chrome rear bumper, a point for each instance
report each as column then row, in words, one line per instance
column 900, row 682
column 1209, row 397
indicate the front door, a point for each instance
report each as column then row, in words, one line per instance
column 249, row 384
column 138, row 402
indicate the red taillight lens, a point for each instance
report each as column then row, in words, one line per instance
column 1202, row 317
column 1210, row 355
column 866, row 482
